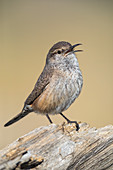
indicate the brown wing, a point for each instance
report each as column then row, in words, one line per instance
column 40, row 85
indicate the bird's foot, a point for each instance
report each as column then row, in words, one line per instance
column 77, row 125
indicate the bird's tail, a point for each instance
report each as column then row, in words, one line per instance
column 18, row 117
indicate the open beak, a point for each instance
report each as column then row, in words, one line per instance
column 76, row 46
column 72, row 47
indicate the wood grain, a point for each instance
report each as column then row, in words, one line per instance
column 61, row 147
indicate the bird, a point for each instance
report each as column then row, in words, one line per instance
column 58, row 85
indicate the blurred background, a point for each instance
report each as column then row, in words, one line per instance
column 27, row 31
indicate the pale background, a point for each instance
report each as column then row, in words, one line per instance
column 27, row 30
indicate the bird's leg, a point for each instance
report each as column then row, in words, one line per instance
column 69, row 121
column 49, row 118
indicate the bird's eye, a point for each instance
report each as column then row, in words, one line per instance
column 59, row 52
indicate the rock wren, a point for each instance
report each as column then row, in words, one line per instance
column 58, row 86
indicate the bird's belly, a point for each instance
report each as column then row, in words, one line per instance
column 57, row 96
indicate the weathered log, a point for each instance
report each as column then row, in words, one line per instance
column 61, row 147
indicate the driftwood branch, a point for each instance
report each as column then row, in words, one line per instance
column 61, row 147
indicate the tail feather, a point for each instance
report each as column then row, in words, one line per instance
column 17, row 117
